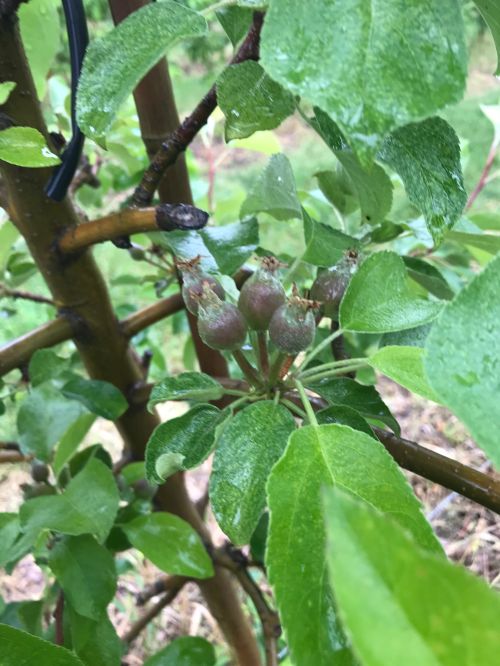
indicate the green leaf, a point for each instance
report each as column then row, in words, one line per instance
column 69, row 442
column 487, row 242
column 86, row 572
column 372, row 185
column 427, row 157
column 189, row 244
column 19, row 648
column 401, row 604
column 26, row 147
column 315, row 457
column 235, row 22
column 338, row 189
column 412, row 337
column 428, row 277
column 357, row 61
column 348, row 393
column 114, row 64
column 5, row 89
column 378, row 298
column 41, row 34
column 181, row 443
column 88, row 505
column 274, row 192
column 95, row 642
column 45, row 364
column 43, row 418
column 325, row 246
column 186, row 386
column 9, row 531
column 171, row 544
column 251, row 101
column 101, row 398
column 232, row 244
column 184, row 651
column 405, row 365
column 491, row 14
column 463, row 357
column 248, row 447
column 344, row 415
column 8, row 235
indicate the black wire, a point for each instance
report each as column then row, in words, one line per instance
column 78, row 38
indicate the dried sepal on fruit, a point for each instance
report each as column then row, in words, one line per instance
column 293, row 327
column 193, row 279
column 261, row 295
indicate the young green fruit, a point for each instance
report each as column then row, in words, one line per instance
column 292, row 326
column 193, row 280
column 220, row 325
column 261, row 295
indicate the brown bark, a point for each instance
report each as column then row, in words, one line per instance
column 80, row 289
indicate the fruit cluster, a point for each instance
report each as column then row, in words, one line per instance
column 262, row 305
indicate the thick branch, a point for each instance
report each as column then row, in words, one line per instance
column 19, row 352
column 151, row 314
column 7, row 456
column 180, row 139
column 126, row 222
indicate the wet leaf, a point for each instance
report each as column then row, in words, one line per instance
column 318, row 457
column 25, row 147
column 362, row 62
column 378, row 298
column 463, row 358
column 405, row 365
column 186, row 386
column 114, row 64
column 18, row 647
column 251, row 101
column 171, row 544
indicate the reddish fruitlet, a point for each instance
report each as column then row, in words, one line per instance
column 330, row 285
column 220, row 325
column 262, row 295
column 292, row 326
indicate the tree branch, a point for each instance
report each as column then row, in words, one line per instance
column 180, row 139
column 176, row 583
column 7, row 456
column 138, row 321
column 162, row 584
column 18, row 352
column 237, row 563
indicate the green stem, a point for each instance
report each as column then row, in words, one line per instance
column 293, row 408
column 235, row 392
column 263, row 354
column 332, row 364
column 314, row 352
column 276, row 366
column 311, row 416
column 217, row 5
column 288, row 277
column 334, row 372
column 234, row 405
column 246, row 368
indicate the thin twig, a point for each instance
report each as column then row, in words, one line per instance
column 161, row 584
column 58, row 616
column 176, row 585
column 24, row 295
column 180, row 139
column 13, row 457
column 483, row 179
column 237, row 563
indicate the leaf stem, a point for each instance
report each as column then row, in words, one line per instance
column 314, row 352
column 311, row 416
column 263, row 354
column 333, row 372
column 276, row 366
column 293, row 408
column 246, row 368
column 334, row 365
